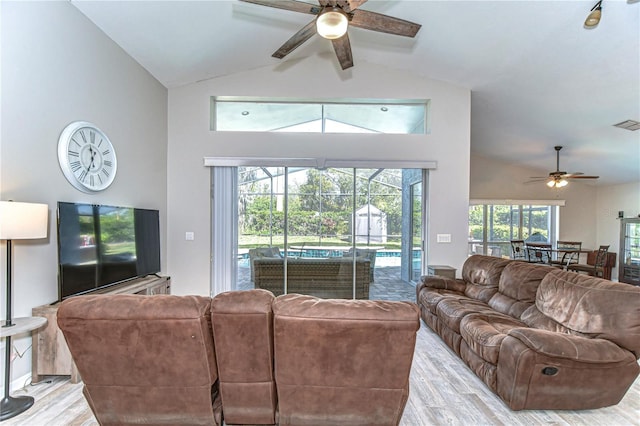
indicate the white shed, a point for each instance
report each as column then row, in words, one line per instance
column 371, row 225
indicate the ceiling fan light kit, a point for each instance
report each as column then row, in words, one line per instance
column 332, row 23
column 594, row 17
column 559, row 179
column 557, row 183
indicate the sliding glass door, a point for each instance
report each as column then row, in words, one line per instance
column 334, row 232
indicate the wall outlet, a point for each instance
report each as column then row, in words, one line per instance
column 189, row 236
column 443, row 238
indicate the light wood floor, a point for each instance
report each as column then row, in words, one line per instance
column 443, row 392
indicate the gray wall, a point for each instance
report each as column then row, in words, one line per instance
column 58, row 67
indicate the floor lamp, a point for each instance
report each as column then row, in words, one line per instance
column 18, row 221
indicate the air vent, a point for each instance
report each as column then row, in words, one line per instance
column 629, row 125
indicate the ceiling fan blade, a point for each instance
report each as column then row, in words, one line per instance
column 582, row 177
column 538, row 177
column 383, row 23
column 535, row 181
column 293, row 5
column 343, row 51
column 296, row 40
column 568, row 175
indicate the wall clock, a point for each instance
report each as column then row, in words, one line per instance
column 87, row 157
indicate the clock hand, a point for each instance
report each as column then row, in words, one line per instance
column 93, row 154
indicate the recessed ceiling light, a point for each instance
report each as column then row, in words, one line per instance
column 628, row 125
column 245, row 112
column 384, row 109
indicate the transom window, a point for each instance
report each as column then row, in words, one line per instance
column 363, row 116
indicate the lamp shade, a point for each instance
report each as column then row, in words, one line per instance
column 332, row 24
column 23, row 221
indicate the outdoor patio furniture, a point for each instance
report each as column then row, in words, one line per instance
column 364, row 254
column 327, row 278
column 260, row 252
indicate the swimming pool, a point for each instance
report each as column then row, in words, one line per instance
column 384, row 258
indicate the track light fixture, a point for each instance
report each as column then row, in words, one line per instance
column 594, row 17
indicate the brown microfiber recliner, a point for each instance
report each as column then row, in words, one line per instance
column 290, row 360
column 342, row 362
column 539, row 337
column 144, row 359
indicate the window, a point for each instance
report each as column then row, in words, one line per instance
column 362, row 116
column 493, row 226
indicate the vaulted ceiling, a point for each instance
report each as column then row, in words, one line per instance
column 538, row 77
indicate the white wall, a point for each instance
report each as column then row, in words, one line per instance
column 190, row 140
column 57, row 67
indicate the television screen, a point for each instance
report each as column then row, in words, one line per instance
column 103, row 245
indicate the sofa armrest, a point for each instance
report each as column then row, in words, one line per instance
column 444, row 283
column 567, row 346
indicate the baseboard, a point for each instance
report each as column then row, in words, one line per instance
column 20, row 383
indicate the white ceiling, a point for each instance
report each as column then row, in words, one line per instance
column 538, row 78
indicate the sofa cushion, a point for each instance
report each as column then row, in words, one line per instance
column 482, row 276
column 517, row 288
column 484, row 333
column 594, row 306
column 451, row 311
column 430, row 297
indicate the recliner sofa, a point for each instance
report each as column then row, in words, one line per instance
column 245, row 357
column 539, row 337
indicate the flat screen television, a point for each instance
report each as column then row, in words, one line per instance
column 100, row 245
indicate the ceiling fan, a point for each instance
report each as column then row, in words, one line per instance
column 558, row 179
column 332, row 20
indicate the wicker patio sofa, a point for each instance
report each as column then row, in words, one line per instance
column 326, row 278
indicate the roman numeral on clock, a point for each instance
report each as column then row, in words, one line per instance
column 106, row 173
column 92, row 135
column 106, row 152
column 108, row 163
column 75, row 166
column 73, row 153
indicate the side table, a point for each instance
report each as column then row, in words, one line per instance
column 12, row 406
column 442, row 270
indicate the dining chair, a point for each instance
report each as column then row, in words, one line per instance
column 568, row 253
column 518, row 250
column 597, row 269
column 539, row 252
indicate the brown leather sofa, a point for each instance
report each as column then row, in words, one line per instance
column 539, row 337
column 244, row 357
